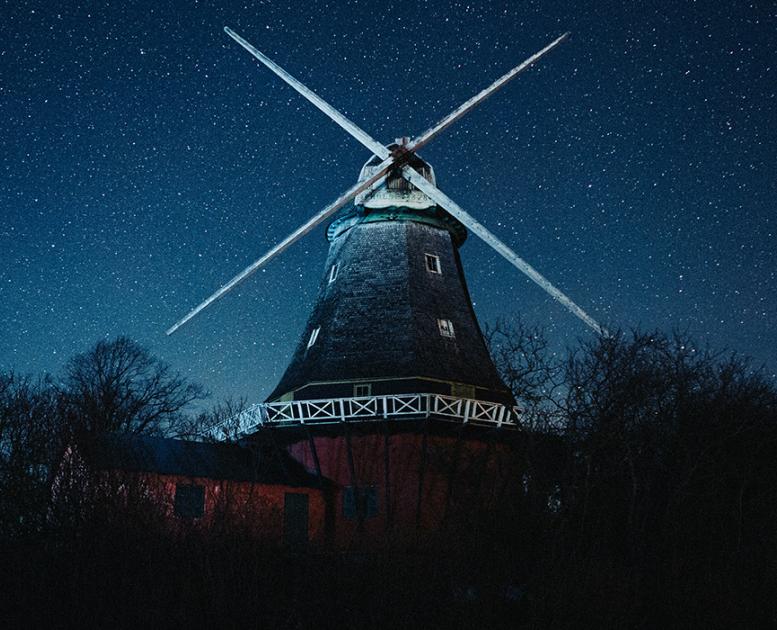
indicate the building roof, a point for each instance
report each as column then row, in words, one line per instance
column 165, row 456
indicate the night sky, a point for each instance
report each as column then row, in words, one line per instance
column 147, row 158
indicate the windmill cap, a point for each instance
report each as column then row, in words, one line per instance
column 396, row 191
column 397, row 200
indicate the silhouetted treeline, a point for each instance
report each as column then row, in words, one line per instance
column 667, row 501
column 649, row 500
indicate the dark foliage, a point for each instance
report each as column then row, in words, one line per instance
column 116, row 386
column 529, row 368
column 219, row 423
column 29, row 442
column 648, row 499
column 119, row 386
column 672, row 502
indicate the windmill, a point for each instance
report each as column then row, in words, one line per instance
column 396, row 159
column 392, row 357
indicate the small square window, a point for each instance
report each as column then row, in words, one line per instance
column 461, row 390
column 446, row 328
column 333, row 272
column 189, row 500
column 363, row 390
column 432, row 263
column 313, row 336
column 360, row 502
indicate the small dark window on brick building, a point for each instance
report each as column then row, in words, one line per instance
column 432, row 263
column 360, row 502
column 296, row 516
column 461, row 390
column 189, row 500
column 365, row 389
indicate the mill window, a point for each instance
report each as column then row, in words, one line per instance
column 360, row 502
column 189, row 500
column 363, row 390
column 333, row 272
column 461, row 390
column 296, row 519
column 445, row 327
column 313, row 336
column 432, row 263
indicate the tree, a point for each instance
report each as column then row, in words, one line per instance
column 527, row 366
column 29, row 438
column 674, row 483
column 219, row 423
column 119, row 386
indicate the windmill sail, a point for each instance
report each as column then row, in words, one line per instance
column 286, row 243
column 457, row 211
column 399, row 160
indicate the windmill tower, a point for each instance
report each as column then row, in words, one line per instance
column 391, row 392
column 393, row 315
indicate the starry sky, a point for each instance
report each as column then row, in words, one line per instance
column 146, row 158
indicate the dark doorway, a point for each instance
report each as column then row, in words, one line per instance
column 295, row 519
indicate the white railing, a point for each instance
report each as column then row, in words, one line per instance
column 368, row 409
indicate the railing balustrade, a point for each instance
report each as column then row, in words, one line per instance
column 372, row 408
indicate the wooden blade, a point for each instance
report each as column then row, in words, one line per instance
column 451, row 118
column 457, row 211
column 362, row 136
column 292, row 238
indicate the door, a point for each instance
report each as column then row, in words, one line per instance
column 295, row 519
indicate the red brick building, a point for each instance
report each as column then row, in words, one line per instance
column 266, row 495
